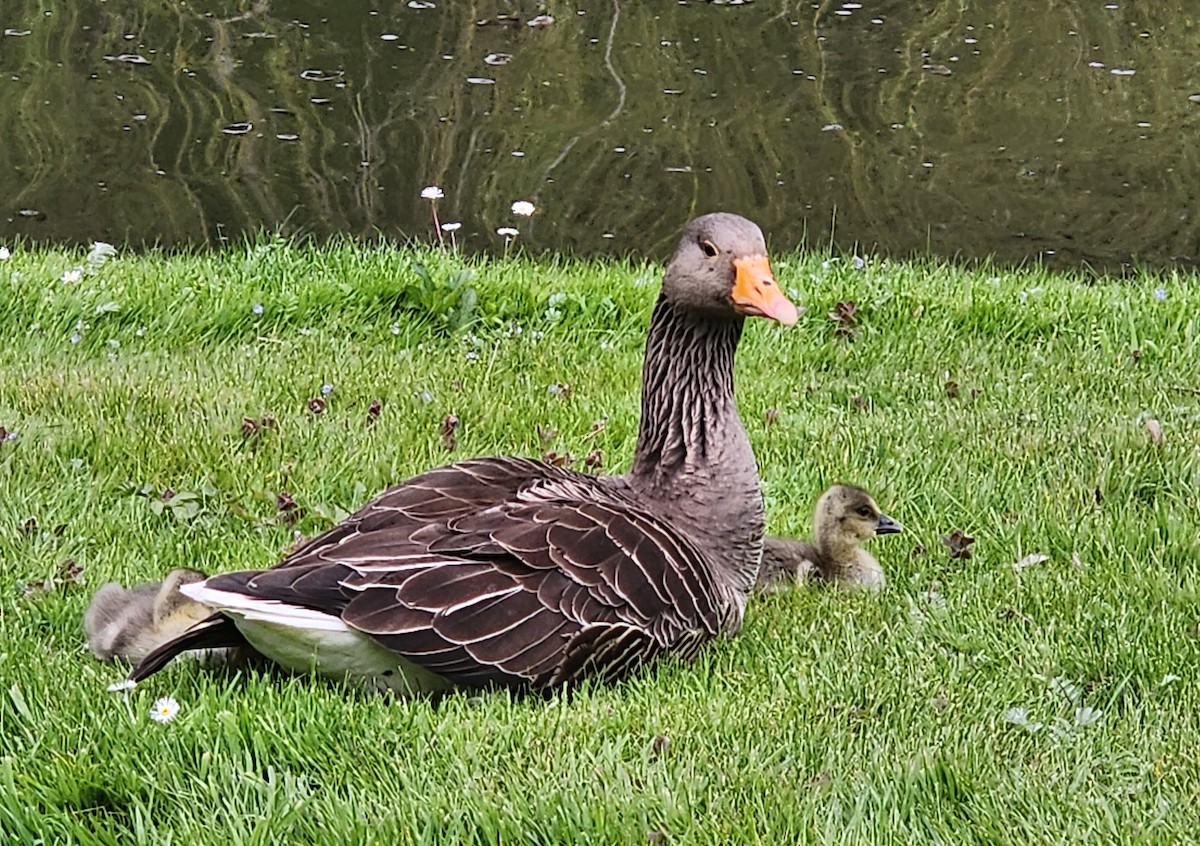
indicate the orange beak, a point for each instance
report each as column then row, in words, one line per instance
column 757, row 294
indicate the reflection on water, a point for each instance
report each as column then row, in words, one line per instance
column 1022, row 129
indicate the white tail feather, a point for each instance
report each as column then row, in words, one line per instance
column 263, row 610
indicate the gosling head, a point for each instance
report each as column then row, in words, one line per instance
column 848, row 515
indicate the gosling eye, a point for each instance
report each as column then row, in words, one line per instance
column 709, row 248
column 864, row 511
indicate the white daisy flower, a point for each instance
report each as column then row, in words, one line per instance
column 507, row 232
column 432, row 192
column 523, row 208
column 164, row 710
column 70, row 277
column 5, row 255
column 451, row 227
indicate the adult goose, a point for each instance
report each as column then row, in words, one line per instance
column 512, row 572
column 845, row 517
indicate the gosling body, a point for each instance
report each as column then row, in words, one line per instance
column 127, row 624
column 845, row 517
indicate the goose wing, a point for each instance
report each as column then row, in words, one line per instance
column 508, row 572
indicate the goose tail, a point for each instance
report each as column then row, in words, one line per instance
column 215, row 632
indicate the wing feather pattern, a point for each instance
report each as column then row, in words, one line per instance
column 507, row 572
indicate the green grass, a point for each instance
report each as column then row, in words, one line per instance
column 831, row 719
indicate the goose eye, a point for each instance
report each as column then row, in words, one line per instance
column 863, row 511
column 710, row 249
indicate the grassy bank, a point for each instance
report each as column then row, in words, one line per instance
column 1014, row 407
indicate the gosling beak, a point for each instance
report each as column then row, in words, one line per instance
column 757, row 294
column 887, row 526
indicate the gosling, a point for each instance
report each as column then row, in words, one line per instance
column 128, row 624
column 844, row 519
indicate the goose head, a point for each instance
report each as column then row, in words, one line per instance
column 720, row 269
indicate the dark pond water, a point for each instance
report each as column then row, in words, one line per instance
column 1065, row 130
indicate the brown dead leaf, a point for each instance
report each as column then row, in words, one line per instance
column 373, row 412
column 70, row 572
column 68, row 575
column 448, row 431
column 597, row 428
column 286, row 504
column 253, row 428
column 845, row 316
column 564, row 459
column 33, row 588
column 958, row 543
column 1008, row 614
column 317, row 406
column 594, row 460
column 772, row 415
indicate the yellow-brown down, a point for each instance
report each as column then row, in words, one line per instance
column 845, row 517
